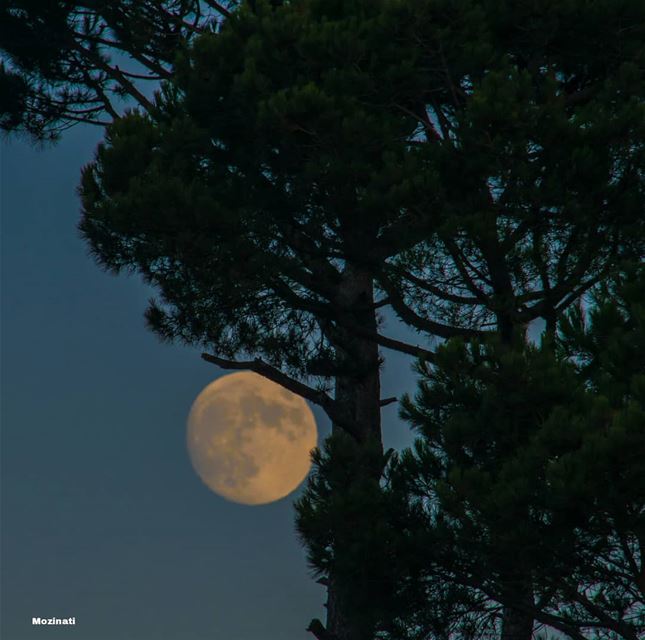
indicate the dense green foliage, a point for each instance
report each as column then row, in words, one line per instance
column 533, row 118
column 531, row 469
column 479, row 170
column 241, row 217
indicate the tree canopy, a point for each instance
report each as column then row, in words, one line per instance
column 478, row 172
column 530, row 470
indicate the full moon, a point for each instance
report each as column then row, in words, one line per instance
column 249, row 439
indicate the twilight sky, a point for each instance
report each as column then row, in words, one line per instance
column 103, row 517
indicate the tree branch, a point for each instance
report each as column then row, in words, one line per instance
column 327, row 310
column 107, row 103
column 411, row 317
column 219, row 8
column 316, row 396
column 404, row 233
column 116, row 75
column 425, row 122
column 398, row 345
column 120, row 46
column 606, row 620
column 436, row 291
column 318, row 630
column 460, row 262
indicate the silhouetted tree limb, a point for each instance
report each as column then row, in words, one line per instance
column 316, row 396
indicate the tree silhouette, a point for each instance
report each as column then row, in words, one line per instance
column 531, row 463
column 306, row 165
column 68, row 62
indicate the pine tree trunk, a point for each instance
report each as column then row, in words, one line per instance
column 358, row 386
column 516, row 625
column 358, row 391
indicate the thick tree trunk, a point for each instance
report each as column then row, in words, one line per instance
column 358, row 385
column 516, row 625
column 359, row 393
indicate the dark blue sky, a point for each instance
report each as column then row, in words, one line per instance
column 103, row 517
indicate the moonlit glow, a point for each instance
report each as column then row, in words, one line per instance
column 249, row 439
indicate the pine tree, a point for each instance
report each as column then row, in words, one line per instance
column 470, row 166
column 532, row 463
